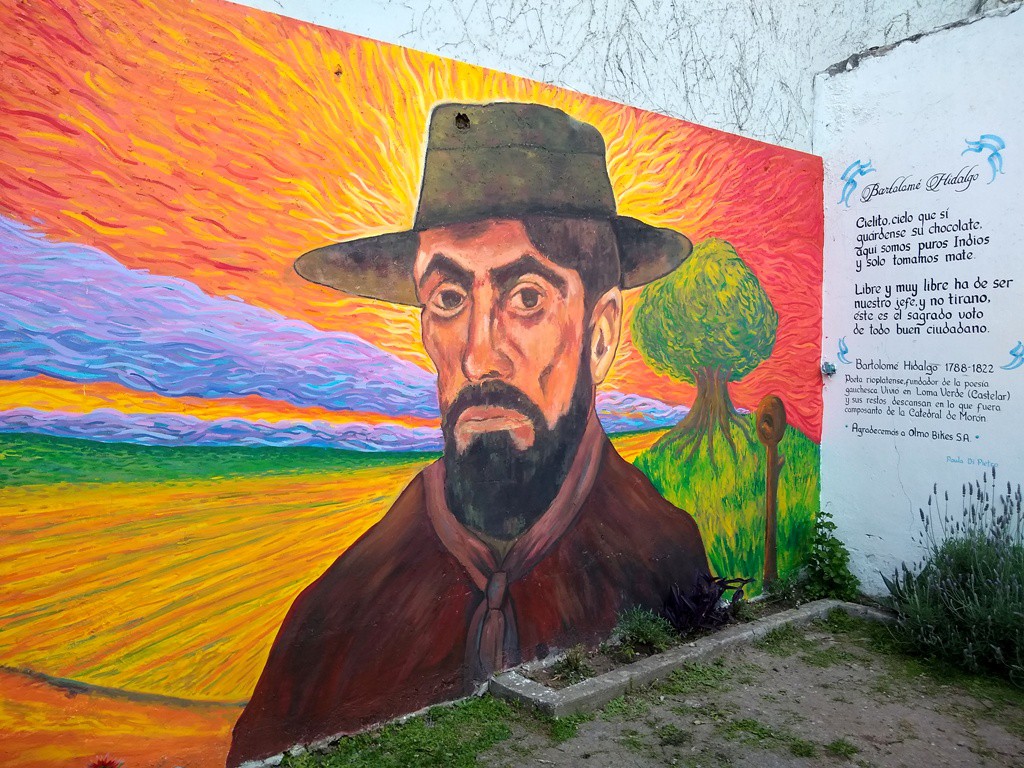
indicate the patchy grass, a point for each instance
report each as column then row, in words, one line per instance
column 1004, row 701
column 445, row 736
column 706, row 713
column 755, row 733
column 877, row 637
column 628, row 707
column 633, row 740
column 840, row 622
column 694, row 716
column 784, row 641
column 694, row 677
column 748, row 673
column 746, row 727
column 561, row 729
column 803, row 748
column 670, row 735
column 841, row 748
column 827, row 657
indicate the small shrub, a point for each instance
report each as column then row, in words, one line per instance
column 744, row 611
column 644, row 631
column 964, row 602
column 573, row 667
column 828, row 568
column 789, row 588
column 703, row 606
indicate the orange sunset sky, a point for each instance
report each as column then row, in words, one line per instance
column 215, row 143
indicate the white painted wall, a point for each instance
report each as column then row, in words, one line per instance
column 744, row 66
column 910, row 111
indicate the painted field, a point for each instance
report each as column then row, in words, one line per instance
column 177, row 587
column 174, row 588
column 632, row 445
column 45, row 726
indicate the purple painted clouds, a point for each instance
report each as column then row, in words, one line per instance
column 74, row 313
column 110, row 426
column 618, row 413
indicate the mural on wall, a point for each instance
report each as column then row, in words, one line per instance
column 408, row 364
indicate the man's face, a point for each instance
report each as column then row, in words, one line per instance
column 495, row 309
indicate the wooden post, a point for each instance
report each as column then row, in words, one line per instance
column 771, row 427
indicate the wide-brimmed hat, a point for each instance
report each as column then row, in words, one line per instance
column 498, row 161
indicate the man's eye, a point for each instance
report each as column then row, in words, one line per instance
column 526, row 298
column 448, row 300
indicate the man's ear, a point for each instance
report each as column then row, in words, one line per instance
column 605, row 329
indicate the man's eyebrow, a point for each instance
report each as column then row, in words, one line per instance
column 449, row 269
column 505, row 277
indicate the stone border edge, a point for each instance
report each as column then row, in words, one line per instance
column 597, row 691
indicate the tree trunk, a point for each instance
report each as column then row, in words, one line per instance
column 771, row 428
column 712, row 411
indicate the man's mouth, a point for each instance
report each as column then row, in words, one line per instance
column 481, row 419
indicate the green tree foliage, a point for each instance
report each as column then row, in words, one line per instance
column 708, row 322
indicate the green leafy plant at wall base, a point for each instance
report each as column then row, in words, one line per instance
column 642, row 630
column 828, row 567
column 573, row 667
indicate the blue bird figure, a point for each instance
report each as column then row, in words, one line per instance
column 991, row 143
column 1018, row 358
column 843, row 351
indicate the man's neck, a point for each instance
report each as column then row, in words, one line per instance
column 500, row 547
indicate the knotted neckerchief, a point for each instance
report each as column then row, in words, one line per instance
column 493, row 639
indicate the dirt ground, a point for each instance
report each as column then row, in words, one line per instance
column 831, row 694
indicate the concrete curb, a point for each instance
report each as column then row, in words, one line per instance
column 597, row 691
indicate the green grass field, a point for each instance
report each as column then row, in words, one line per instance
column 727, row 499
column 42, row 460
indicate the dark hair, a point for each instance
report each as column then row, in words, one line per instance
column 587, row 246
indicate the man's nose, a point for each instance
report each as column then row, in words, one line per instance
column 484, row 359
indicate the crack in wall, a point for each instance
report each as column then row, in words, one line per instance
column 739, row 65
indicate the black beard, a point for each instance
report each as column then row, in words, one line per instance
column 494, row 487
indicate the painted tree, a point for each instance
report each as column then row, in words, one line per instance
column 708, row 322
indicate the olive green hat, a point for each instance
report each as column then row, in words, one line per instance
column 498, row 161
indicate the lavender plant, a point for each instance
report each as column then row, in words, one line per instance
column 964, row 602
